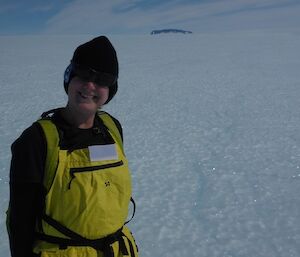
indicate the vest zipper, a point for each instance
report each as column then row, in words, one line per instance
column 92, row 168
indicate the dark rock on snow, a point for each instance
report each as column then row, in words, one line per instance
column 163, row 31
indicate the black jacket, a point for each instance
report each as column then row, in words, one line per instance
column 26, row 175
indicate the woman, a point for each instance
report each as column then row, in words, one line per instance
column 70, row 184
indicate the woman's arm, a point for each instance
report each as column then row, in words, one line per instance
column 26, row 190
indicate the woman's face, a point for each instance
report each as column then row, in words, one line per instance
column 85, row 96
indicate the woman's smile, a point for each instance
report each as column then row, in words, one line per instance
column 88, row 96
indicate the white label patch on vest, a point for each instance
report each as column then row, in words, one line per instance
column 103, row 152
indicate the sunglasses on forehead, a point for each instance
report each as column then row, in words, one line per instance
column 91, row 75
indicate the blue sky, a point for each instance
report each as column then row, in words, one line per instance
column 141, row 16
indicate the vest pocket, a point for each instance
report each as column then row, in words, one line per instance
column 73, row 171
column 90, row 200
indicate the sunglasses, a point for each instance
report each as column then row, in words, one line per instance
column 91, row 75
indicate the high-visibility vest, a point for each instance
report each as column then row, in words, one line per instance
column 87, row 197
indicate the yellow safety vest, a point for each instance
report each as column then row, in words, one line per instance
column 87, row 199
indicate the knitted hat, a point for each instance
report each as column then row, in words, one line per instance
column 97, row 54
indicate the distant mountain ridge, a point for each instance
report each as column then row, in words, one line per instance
column 162, row 31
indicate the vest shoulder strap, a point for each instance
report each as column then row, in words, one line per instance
column 52, row 141
column 113, row 129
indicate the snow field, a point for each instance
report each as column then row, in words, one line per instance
column 211, row 127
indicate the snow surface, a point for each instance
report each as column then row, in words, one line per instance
column 211, row 124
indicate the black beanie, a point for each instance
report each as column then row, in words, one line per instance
column 100, row 55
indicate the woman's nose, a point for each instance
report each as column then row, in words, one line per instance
column 89, row 84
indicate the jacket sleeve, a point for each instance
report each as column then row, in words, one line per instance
column 26, row 190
